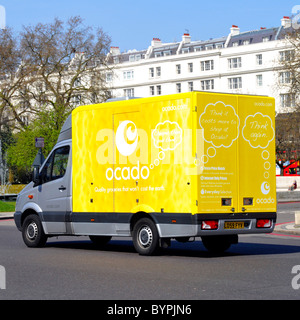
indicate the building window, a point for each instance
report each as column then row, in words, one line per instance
column 178, row 68
column 185, row 50
column 266, row 39
column 235, row 83
column 158, row 71
column 259, row 80
column 128, row 75
column 77, row 82
column 259, row 59
column 158, row 90
column 207, row 85
column 76, row 100
column 151, row 72
column 234, row 63
column 287, row 55
column 287, row 100
column 178, row 87
column 209, row 47
column 191, row 86
column 151, row 90
column 235, row 44
column 136, row 57
column 207, row 65
column 129, row 92
column 190, row 67
column 25, row 120
column 109, row 77
column 284, row 77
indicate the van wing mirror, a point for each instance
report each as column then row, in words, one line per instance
column 36, row 178
column 38, row 161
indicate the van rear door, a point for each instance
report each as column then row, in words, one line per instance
column 256, row 154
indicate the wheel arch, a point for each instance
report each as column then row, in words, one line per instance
column 28, row 212
column 139, row 215
column 30, row 208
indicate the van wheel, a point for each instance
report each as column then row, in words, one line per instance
column 217, row 244
column 145, row 237
column 32, row 232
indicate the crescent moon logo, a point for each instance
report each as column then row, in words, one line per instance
column 265, row 188
column 126, row 138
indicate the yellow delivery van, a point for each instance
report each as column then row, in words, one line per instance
column 178, row 167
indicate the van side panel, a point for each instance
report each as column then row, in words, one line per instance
column 133, row 156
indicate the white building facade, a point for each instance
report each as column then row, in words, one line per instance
column 246, row 63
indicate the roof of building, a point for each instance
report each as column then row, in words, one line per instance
column 235, row 38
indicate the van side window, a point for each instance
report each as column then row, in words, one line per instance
column 56, row 165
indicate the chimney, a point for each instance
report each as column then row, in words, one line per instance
column 186, row 38
column 156, row 42
column 286, row 22
column 235, row 30
column 115, row 51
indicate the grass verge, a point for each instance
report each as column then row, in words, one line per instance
column 7, row 206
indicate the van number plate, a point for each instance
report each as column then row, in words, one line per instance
column 234, row 225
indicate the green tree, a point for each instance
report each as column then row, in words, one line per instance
column 21, row 154
column 67, row 66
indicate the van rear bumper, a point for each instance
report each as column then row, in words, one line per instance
column 242, row 224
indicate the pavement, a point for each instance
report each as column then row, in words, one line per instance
column 6, row 215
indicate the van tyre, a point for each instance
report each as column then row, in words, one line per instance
column 32, row 232
column 145, row 237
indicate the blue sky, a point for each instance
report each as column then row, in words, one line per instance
column 132, row 24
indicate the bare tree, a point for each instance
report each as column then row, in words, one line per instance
column 12, row 80
column 51, row 67
column 288, row 121
column 66, row 63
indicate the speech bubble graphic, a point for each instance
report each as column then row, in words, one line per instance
column 220, row 123
column 167, row 135
column 258, row 130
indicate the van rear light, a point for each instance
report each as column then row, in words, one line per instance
column 263, row 223
column 210, row 225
